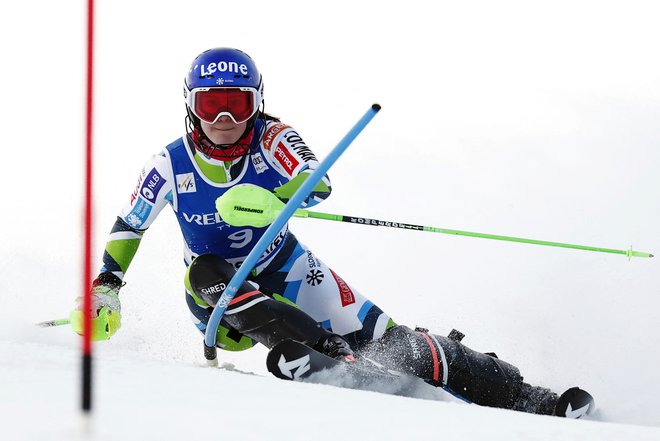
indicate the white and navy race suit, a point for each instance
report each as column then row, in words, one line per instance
column 287, row 270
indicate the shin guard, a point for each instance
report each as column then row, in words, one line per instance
column 251, row 312
column 443, row 362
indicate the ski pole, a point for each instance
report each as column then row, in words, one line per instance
column 256, row 206
column 278, row 223
column 57, row 322
column 630, row 253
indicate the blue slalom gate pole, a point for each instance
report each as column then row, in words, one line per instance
column 279, row 222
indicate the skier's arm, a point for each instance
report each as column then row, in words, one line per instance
column 121, row 247
column 151, row 194
column 290, row 156
column 318, row 194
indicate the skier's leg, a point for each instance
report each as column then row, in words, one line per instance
column 443, row 362
column 256, row 315
column 227, row 338
column 304, row 280
column 307, row 282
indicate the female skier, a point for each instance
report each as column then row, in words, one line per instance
column 291, row 293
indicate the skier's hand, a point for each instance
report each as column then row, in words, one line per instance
column 106, row 309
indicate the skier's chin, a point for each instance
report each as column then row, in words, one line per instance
column 224, row 136
column 223, row 132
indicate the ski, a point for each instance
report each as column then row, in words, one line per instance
column 292, row 360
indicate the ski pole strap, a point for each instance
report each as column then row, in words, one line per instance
column 283, row 217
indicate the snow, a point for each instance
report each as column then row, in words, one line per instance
column 529, row 119
column 145, row 399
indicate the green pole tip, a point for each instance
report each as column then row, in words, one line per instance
column 631, row 253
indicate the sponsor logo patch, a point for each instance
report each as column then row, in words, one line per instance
column 151, row 185
column 417, row 353
column 215, row 289
column 204, row 219
column 259, row 164
column 136, row 192
column 299, row 147
column 220, row 66
column 312, row 262
column 271, row 134
column 315, row 277
column 347, row 297
column 294, row 369
column 275, row 243
column 285, row 158
column 185, row 183
column 139, row 213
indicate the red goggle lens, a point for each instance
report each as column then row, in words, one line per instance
column 210, row 103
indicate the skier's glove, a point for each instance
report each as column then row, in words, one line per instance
column 106, row 309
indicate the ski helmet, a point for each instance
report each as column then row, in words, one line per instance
column 222, row 81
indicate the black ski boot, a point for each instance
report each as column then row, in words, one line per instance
column 574, row 403
column 536, row 399
column 336, row 347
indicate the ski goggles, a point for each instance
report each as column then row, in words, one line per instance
column 210, row 103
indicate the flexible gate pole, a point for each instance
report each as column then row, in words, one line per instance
column 86, row 271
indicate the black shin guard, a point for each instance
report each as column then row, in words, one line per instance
column 269, row 322
column 402, row 349
column 481, row 378
column 251, row 312
column 444, row 362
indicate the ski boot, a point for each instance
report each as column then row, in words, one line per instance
column 574, row 403
column 337, row 348
column 536, row 399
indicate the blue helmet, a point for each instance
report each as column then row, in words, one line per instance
column 217, row 69
column 223, row 67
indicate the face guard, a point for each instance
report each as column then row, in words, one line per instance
column 210, row 103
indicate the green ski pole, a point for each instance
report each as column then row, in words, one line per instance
column 251, row 205
column 630, row 253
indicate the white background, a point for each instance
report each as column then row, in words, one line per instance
column 531, row 119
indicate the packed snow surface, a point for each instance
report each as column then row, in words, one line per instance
column 139, row 398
